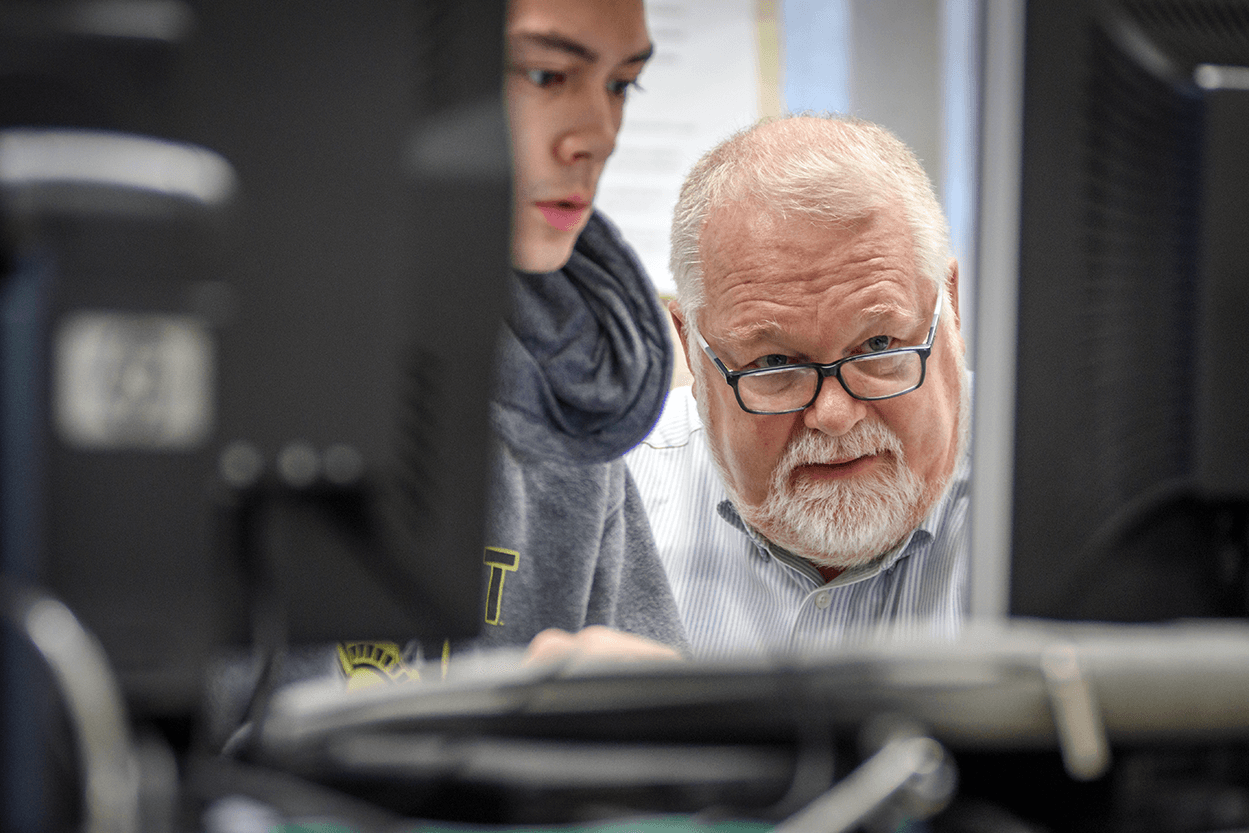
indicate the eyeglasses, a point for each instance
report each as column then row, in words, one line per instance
column 795, row 387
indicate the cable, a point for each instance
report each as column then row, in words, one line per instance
column 93, row 701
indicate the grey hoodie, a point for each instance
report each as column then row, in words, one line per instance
column 585, row 364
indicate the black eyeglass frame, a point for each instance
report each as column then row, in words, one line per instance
column 924, row 350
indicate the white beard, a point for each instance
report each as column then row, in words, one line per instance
column 837, row 523
column 841, row 523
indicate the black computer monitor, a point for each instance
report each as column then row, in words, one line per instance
column 262, row 403
column 1111, row 449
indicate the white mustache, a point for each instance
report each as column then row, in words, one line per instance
column 865, row 439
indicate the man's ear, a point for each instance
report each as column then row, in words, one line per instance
column 951, row 283
column 678, row 320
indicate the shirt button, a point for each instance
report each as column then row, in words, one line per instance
column 823, row 600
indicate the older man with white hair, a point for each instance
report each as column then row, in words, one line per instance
column 811, row 487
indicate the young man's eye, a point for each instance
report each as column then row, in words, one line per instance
column 544, row 78
column 620, row 87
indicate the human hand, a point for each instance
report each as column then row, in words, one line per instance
column 594, row 643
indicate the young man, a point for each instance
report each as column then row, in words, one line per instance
column 812, row 489
column 585, row 362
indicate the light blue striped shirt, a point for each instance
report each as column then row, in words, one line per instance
column 738, row 594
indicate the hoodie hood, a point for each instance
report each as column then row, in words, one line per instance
column 585, row 359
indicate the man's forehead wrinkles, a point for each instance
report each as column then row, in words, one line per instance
column 845, row 319
column 744, row 310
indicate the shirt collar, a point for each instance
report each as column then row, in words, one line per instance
column 920, row 537
column 763, row 548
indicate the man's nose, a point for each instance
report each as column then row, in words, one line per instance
column 592, row 133
column 834, row 412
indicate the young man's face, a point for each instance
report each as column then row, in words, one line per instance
column 570, row 66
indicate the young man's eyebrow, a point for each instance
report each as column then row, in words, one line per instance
column 576, row 49
column 641, row 57
column 560, row 44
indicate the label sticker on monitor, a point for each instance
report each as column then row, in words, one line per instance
column 133, row 381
